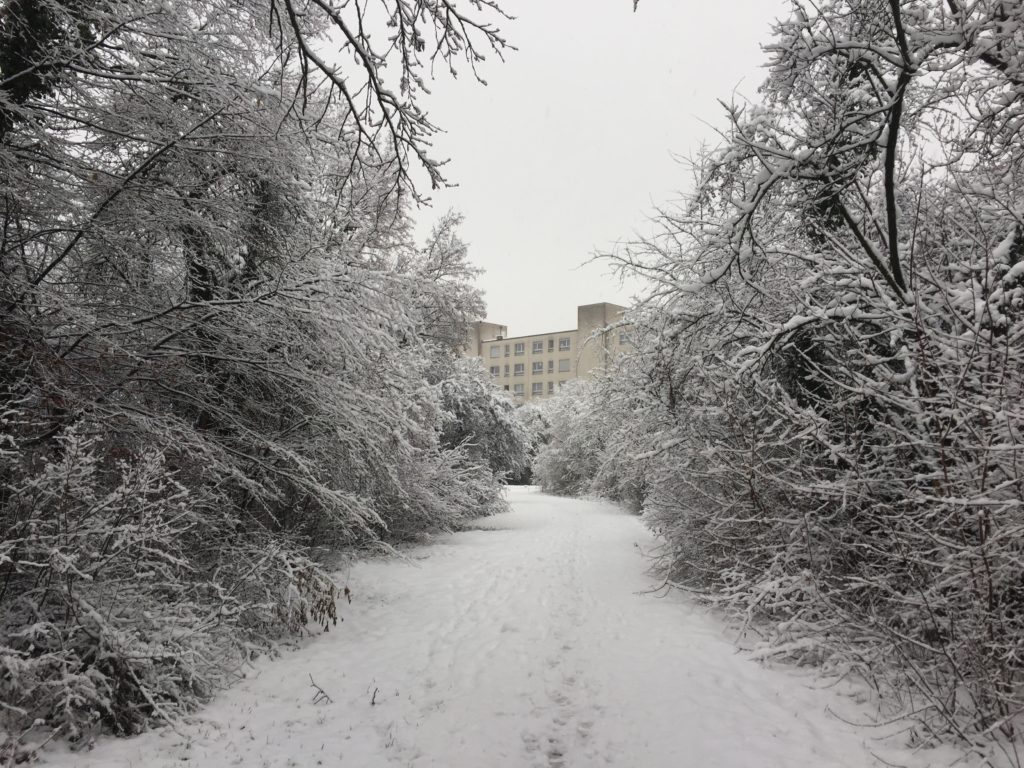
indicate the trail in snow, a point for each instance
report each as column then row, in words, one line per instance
column 533, row 642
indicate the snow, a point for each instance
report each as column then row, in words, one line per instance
column 536, row 640
column 1001, row 253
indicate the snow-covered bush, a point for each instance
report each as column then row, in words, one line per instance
column 534, row 423
column 567, row 462
column 483, row 419
column 587, row 445
column 829, row 366
column 126, row 595
column 217, row 343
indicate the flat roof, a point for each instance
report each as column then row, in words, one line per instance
column 532, row 335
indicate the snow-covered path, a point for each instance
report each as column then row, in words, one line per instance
column 531, row 642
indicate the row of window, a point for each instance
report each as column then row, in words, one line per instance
column 519, row 348
column 519, row 369
column 537, row 388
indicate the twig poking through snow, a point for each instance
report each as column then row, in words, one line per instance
column 321, row 695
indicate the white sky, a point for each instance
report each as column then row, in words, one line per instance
column 572, row 143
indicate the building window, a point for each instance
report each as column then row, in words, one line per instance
column 551, row 366
column 563, row 365
column 506, row 387
column 506, row 350
column 538, row 347
column 623, row 337
column 537, row 388
column 495, row 351
column 520, row 347
column 538, row 366
column 517, row 390
column 520, row 369
column 506, row 369
column 551, row 345
column 563, row 344
column 551, row 387
column 495, row 370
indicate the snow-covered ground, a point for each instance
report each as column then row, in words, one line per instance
column 532, row 642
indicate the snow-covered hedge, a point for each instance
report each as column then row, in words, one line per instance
column 128, row 596
column 219, row 346
column 824, row 400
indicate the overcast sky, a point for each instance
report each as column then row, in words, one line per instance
column 572, row 142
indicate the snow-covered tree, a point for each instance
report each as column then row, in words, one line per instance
column 832, row 357
column 581, row 452
column 213, row 335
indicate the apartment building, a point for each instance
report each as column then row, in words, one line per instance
column 536, row 366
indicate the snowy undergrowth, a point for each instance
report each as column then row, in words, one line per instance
column 821, row 409
column 221, row 351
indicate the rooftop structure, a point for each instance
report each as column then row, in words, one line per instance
column 536, row 366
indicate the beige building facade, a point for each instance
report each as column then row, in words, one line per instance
column 537, row 366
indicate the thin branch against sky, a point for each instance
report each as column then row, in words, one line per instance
column 576, row 138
